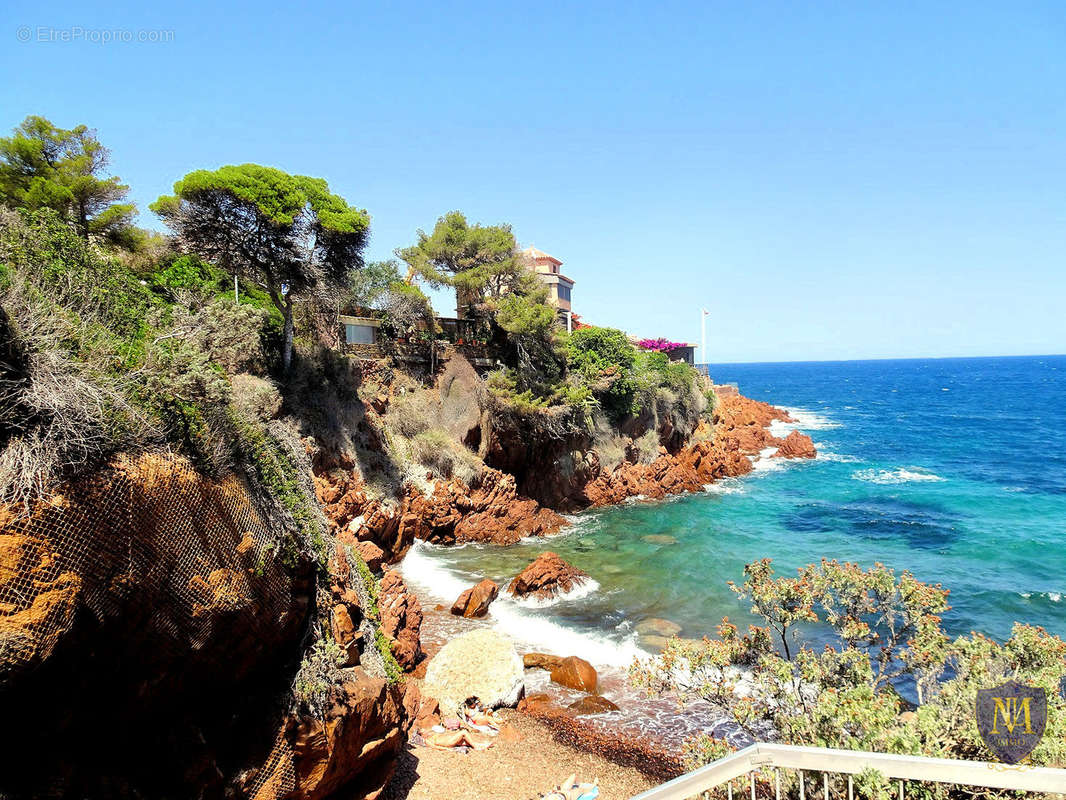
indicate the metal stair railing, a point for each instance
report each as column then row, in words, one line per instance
column 763, row 756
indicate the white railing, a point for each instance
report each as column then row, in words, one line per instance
column 776, row 757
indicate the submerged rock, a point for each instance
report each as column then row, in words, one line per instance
column 592, row 704
column 474, row 602
column 655, row 642
column 547, row 576
column 659, row 538
column 656, row 626
column 482, row 664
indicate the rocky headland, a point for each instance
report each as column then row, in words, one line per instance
column 147, row 590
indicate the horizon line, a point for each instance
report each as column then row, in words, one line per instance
column 882, row 358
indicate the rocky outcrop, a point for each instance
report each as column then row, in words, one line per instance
column 491, row 511
column 474, row 602
column 747, row 422
column 546, row 577
column 482, row 664
column 352, row 748
column 796, row 445
column 401, row 619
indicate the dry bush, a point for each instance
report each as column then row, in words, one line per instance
column 647, row 446
column 412, row 413
column 438, row 452
column 608, row 444
column 256, row 398
column 60, row 413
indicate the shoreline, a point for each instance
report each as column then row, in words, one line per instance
column 646, row 732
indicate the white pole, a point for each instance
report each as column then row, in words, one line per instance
column 703, row 335
column 236, row 296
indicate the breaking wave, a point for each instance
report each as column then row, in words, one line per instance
column 888, row 477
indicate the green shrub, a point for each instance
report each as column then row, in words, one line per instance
column 593, row 349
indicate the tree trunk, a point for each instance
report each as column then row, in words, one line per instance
column 286, row 353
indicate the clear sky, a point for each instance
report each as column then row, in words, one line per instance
column 830, row 180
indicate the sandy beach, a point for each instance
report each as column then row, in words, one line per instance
column 526, row 760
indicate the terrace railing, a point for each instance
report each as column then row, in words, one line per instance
column 756, row 772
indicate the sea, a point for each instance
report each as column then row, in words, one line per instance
column 953, row 469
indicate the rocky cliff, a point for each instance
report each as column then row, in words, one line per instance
column 149, row 636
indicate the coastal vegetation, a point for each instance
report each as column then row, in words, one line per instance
column 841, row 651
column 44, row 166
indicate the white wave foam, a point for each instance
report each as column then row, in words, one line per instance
column 574, row 524
column 724, row 486
column 583, row 589
column 887, row 477
column 840, row 458
column 806, row 420
column 764, row 463
column 423, row 571
column 1054, row 597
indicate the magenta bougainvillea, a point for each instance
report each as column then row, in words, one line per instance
column 659, row 344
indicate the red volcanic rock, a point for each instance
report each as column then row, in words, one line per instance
column 401, row 619
column 345, row 633
column 547, row 576
column 474, row 602
column 537, row 702
column 576, row 673
column 541, row 661
column 422, row 710
column 356, row 744
column 373, row 555
column 796, row 445
column 592, row 704
column 493, row 511
column 747, row 421
column 689, row 471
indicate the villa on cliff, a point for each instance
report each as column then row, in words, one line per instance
column 361, row 329
column 559, row 286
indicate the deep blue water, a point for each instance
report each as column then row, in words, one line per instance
column 954, row 469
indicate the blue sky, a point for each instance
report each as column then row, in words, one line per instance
column 831, row 180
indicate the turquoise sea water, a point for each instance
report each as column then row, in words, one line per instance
column 954, row 469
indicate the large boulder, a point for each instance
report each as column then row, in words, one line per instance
column 796, row 445
column 482, row 664
column 575, row 673
column 541, row 661
column 546, row 577
column 474, row 602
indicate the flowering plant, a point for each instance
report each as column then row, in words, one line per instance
column 659, row 344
